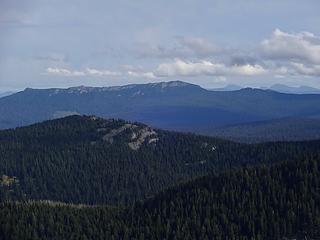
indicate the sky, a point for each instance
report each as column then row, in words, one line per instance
column 212, row 43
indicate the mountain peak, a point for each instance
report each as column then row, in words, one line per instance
column 87, row 89
column 96, row 129
column 171, row 84
column 28, row 89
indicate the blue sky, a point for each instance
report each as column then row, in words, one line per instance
column 55, row 43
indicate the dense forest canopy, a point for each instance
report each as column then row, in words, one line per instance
column 278, row 202
column 84, row 177
column 83, row 159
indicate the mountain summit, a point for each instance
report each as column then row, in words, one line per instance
column 86, row 89
column 173, row 105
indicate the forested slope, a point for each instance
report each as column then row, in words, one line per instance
column 89, row 160
column 277, row 202
column 286, row 129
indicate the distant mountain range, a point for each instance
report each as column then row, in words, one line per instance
column 285, row 129
column 295, row 90
column 170, row 105
column 276, row 87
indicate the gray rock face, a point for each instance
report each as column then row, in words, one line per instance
column 139, row 135
column 114, row 132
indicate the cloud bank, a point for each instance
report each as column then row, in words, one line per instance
column 206, row 68
column 73, row 73
column 282, row 55
column 301, row 47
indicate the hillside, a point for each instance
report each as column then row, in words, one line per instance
column 4, row 94
column 296, row 90
column 170, row 105
column 285, row 129
column 277, row 202
column 85, row 159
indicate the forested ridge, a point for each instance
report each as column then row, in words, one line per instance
column 277, row 202
column 83, row 177
column 175, row 105
column 71, row 160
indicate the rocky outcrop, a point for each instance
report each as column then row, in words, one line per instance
column 139, row 135
column 114, row 132
column 7, row 180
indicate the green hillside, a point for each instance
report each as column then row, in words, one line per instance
column 278, row 202
column 90, row 160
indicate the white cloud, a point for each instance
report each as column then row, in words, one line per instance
column 88, row 72
column 64, row 72
column 248, row 70
column 182, row 68
column 206, row 68
column 302, row 69
column 283, row 55
column 95, row 72
column 301, row 47
column 148, row 75
column 294, row 69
